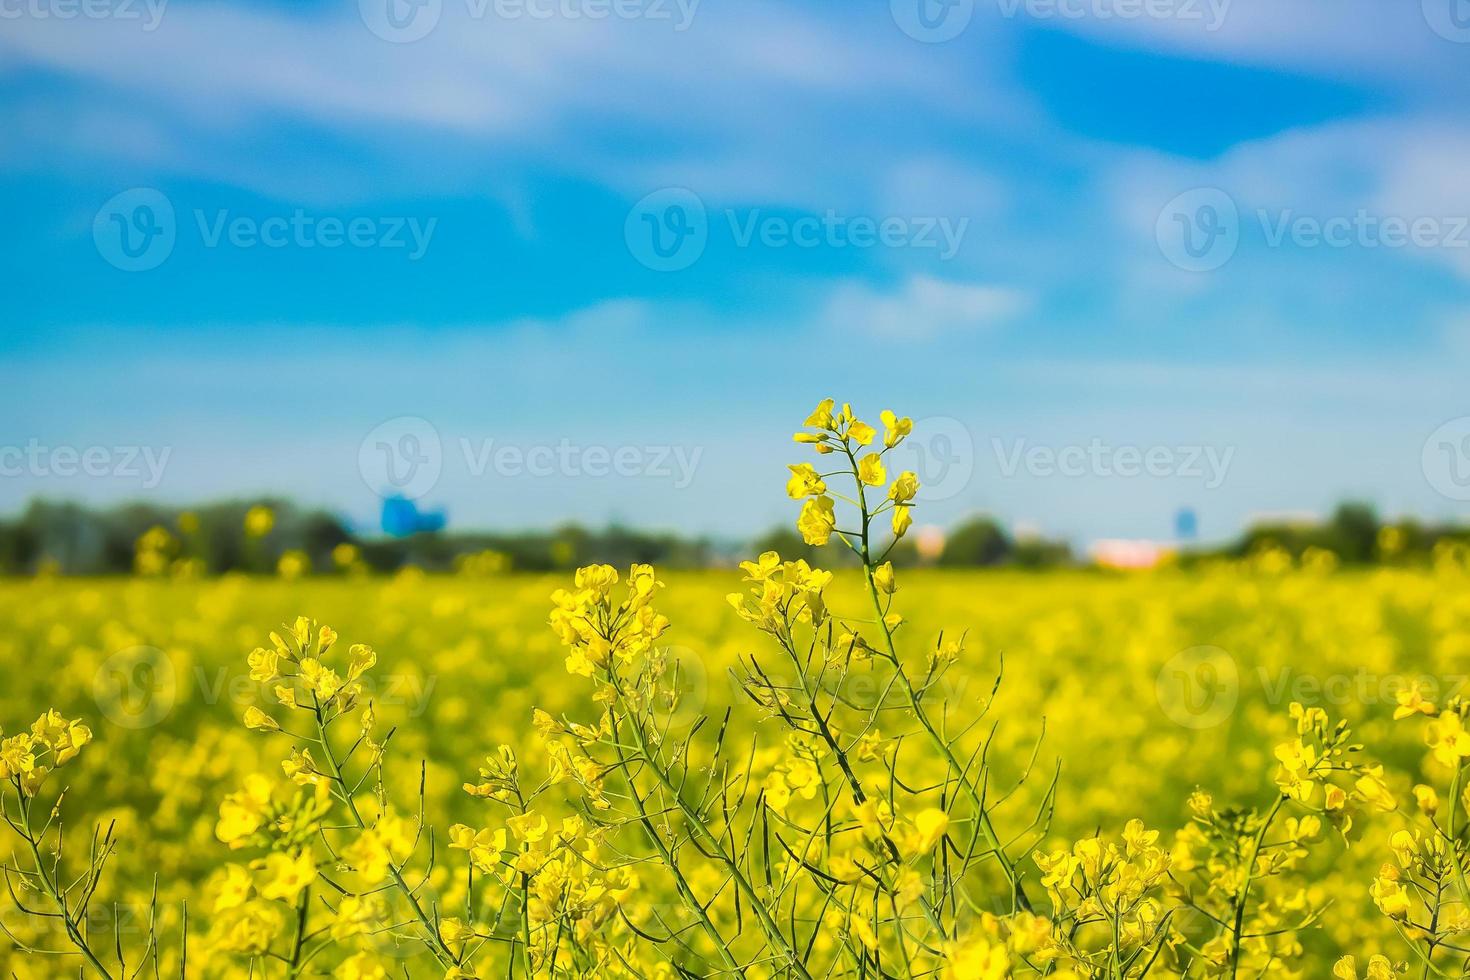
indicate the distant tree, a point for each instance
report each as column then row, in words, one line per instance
column 905, row 554
column 1040, row 553
column 978, row 541
column 17, row 548
column 1353, row 532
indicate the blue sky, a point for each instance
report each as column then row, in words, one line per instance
column 1036, row 175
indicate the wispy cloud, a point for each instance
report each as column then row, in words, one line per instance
column 727, row 105
column 1348, row 39
column 923, row 308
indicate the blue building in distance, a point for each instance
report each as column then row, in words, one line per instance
column 402, row 518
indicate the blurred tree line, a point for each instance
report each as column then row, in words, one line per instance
column 257, row 536
column 1353, row 534
column 273, row 535
column 976, row 542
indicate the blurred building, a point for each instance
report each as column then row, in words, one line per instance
column 1126, row 553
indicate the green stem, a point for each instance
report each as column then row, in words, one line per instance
column 54, row 892
column 1454, row 834
column 293, row 968
column 1238, row 926
column 982, row 816
column 768, row 924
column 855, row 786
column 441, row 952
column 526, row 923
column 1433, row 929
column 722, row 948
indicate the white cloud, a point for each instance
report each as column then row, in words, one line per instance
column 1362, row 172
column 737, row 105
column 923, row 308
column 1344, row 39
column 1424, row 179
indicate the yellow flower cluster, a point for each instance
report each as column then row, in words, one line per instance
column 29, row 757
column 843, row 432
column 783, row 591
column 596, row 630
